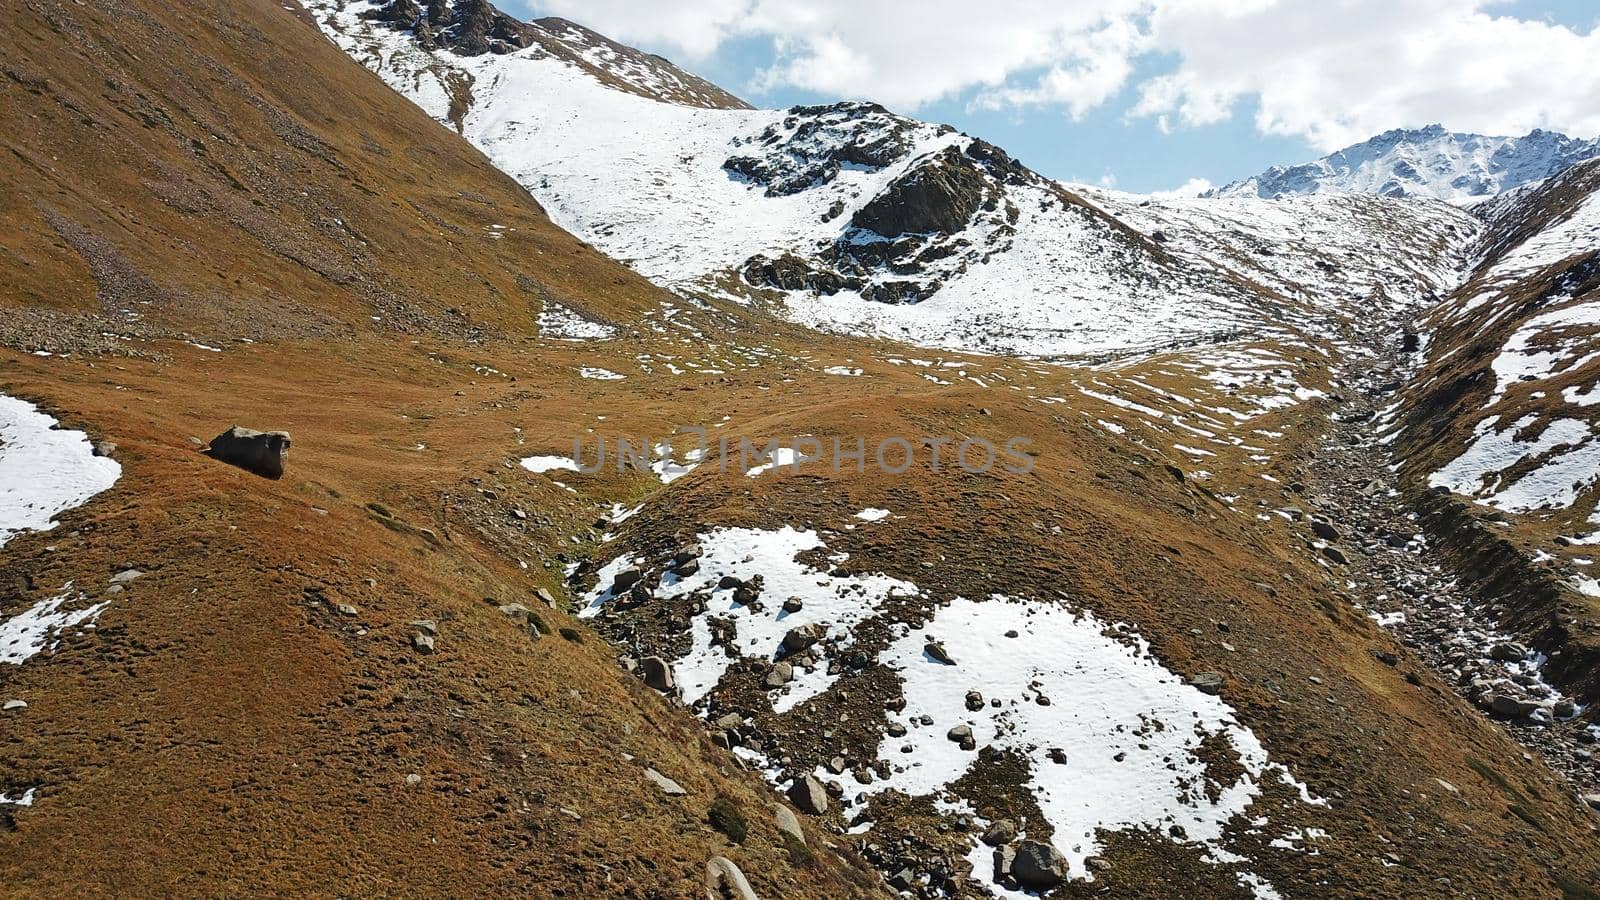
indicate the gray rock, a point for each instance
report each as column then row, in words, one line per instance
column 422, row 642
column 809, row 795
column 836, row 765
column 625, row 579
column 668, row 786
column 104, row 448
column 1038, row 865
column 936, row 650
column 686, row 553
column 515, row 611
column 126, row 575
column 959, row 733
column 802, row 637
column 346, row 609
column 724, row 881
column 788, row 822
column 260, row 452
column 1334, row 554
column 974, row 701
column 999, row 832
column 685, row 569
column 12, row 705
column 1508, row 652
column 1511, row 707
column 427, row 626
column 1324, row 529
column 793, row 605
column 1593, row 800
column 1207, row 683
column 779, row 675
column 658, row 674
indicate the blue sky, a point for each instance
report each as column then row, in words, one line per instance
column 1143, row 95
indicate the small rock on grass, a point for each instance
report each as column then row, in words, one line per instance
column 1207, row 683
column 422, row 642
column 667, row 785
column 788, row 822
column 15, row 705
column 723, row 879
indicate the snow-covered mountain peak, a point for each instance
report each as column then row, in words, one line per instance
column 1424, row 162
column 472, row 28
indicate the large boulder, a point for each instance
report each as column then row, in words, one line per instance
column 261, row 452
column 1038, row 865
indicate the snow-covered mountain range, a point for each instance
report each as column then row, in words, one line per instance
column 852, row 218
column 1424, row 162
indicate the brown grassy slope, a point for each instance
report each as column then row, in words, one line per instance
column 217, row 170
column 226, row 731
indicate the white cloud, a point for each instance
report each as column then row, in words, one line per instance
column 1333, row 72
column 1194, row 187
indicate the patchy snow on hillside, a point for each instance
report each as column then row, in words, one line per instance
column 35, row 629
column 1114, row 740
column 835, row 603
column 1087, row 705
column 561, row 323
column 44, row 470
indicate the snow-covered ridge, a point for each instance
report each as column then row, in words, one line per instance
column 1424, row 162
column 848, row 217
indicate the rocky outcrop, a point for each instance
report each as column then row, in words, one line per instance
column 938, row 197
column 810, row 146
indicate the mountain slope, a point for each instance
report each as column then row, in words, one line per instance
column 405, row 666
column 1423, row 162
column 847, row 216
column 1502, row 421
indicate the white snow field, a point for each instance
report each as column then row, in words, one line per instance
column 44, row 470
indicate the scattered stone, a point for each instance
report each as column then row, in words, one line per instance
column 260, row 452
column 724, row 880
column 836, row 765
column 422, row 642
column 974, row 701
column 684, row 570
column 427, row 626
column 1038, row 865
column 1324, row 529
column 809, row 795
column 788, row 822
column 1334, row 554
column 686, row 554
column 126, row 575
column 668, row 786
column 1207, row 683
column 104, row 448
column 1508, row 652
column 658, row 674
column 936, row 651
column 413, row 779
column 12, row 705
column 802, row 637
column 1001, row 831
column 779, row 675
column 793, row 605
column 625, row 579
column 346, row 609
